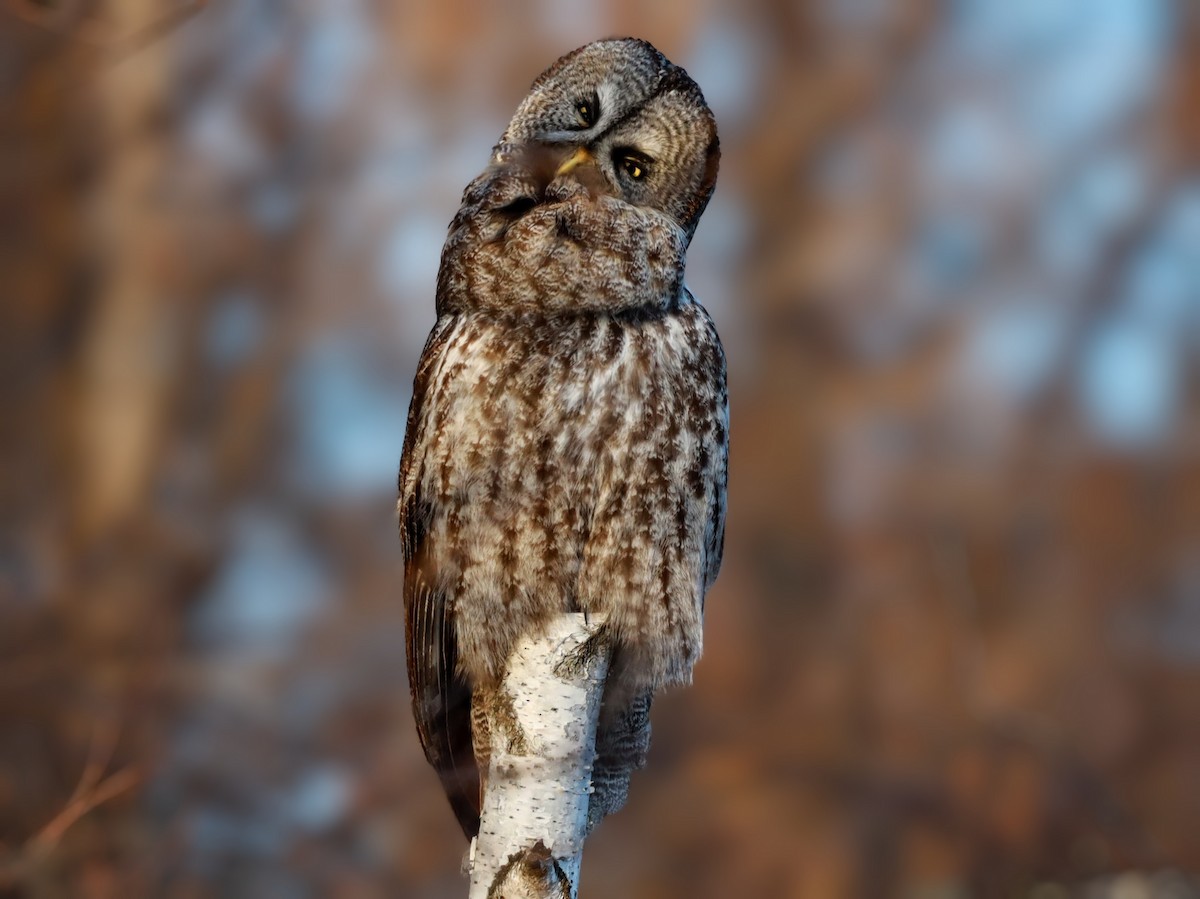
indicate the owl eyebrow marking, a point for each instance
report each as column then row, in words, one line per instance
column 606, row 99
column 633, row 153
column 673, row 80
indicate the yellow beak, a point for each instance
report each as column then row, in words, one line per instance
column 576, row 159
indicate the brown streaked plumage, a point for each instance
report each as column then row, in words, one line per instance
column 567, row 440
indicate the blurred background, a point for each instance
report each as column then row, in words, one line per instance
column 955, row 257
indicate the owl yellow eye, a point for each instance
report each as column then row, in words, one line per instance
column 635, row 168
column 587, row 112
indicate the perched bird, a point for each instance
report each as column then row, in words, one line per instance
column 567, row 441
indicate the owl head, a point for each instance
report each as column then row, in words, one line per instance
column 620, row 116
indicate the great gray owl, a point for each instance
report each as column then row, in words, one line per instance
column 567, row 441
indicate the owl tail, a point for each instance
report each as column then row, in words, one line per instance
column 441, row 699
column 444, row 724
column 456, row 762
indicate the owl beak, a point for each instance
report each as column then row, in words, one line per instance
column 576, row 159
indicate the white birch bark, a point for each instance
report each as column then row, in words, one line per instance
column 542, row 737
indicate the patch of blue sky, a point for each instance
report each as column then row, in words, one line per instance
column 725, row 59
column 407, row 262
column 573, row 22
column 948, row 253
column 219, row 133
column 1074, row 221
column 1129, row 383
column 861, row 15
column 967, row 148
column 1161, row 289
column 320, row 798
column 274, row 205
column 349, row 423
column 215, row 834
column 336, row 46
column 1182, row 221
column 1013, row 346
column 235, row 330
column 1105, row 69
column 1073, row 67
column 269, row 590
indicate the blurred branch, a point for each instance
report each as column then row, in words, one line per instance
column 108, row 788
column 93, row 790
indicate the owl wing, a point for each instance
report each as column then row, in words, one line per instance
column 441, row 696
column 718, row 446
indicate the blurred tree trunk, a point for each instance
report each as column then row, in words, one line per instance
column 129, row 353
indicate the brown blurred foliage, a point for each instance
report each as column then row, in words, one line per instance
column 955, row 650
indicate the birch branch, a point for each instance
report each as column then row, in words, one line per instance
column 540, row 739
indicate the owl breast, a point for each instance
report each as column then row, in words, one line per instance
column 574, row 462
